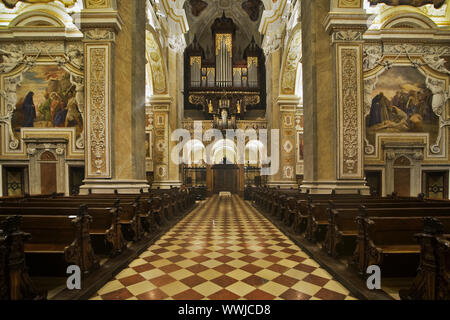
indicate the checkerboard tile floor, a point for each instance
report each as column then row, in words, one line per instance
column 224, row 250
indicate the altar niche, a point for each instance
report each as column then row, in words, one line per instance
column 226, row 178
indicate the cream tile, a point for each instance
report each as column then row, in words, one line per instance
column 237, row 263
column 311, row 263
column 267, row 274
column 282, row 255
column 141, row 287
column 239, row 274
column 151, row 274
column 185, row 263
column 337, row 287
column 273, row 288
column 296, row 274
column 258, row 255
column 181, row 274
column 322, row 273
column 161, row 263
column 210, row 274
column 211, row 263
column 262, row 263
column 168, row 254
column 138, row 262
column 126, row 273
column 174, row 288
column 240, row 288
column 110, row 287
column 287, row 263
column 236, row 255
column 306, row 287
column 207, row 288
column 213, row 255
column 190, row 255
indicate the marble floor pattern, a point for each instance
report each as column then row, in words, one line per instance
column 224, row 250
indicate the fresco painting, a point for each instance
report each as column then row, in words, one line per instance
column 47, row 99
column 401, row 103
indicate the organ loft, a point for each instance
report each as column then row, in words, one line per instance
column 255, row 150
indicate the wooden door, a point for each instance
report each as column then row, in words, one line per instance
column 48, row 178
column 402, row 182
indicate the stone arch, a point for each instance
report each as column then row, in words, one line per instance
column 290, row 64
column 406, row 19
column 156, row 66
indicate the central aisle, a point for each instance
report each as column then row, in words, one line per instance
column 225, row 249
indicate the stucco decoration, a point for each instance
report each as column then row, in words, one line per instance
column 19, row 58
column 380, row 59
column 292, row 59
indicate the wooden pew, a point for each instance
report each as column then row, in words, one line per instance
column 128, row 211
column 15, row 282
column 433, row 277
column 389, row 243
column 342, row 228
column 105, row 224
column 64, row 240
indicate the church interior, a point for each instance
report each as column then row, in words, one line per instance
column 224, row 149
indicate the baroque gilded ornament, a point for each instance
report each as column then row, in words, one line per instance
column 12, row 3
column 291, row 64
column 350, row 110
column 97, row 116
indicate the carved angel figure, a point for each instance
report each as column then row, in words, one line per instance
column 10, row 59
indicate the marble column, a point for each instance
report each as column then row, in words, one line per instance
column 115, row 102
column 333, row 96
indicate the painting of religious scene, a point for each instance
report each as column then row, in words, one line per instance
column 401, row 103
column 47, row 99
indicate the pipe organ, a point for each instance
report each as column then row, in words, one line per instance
column 224, row 73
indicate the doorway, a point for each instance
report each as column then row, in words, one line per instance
column 225, row 178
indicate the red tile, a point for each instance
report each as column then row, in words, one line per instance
column 288, row 250
column 176, row 259
column 162, row 280
column 326, row 294
column 248, row 259
column 296, row 258
column 259, row 295
column 223, row 295
column 153, row 258
column 304, row 268
column 129, row 281
column 224, row 281
column 144, row 268
column 193, row 281
column 155, row 294
column 197, row 268
column 200, row 259
column 254, row 281
column 188, row 295
column 285, row 280
column 160, row 250
column 318, row 281
column 292, row 294
column 170, row 268
column 278, row 268
column 224, row 268
column 251, row 268
column 224, row 259
column 272, row 259
column 224, row 251
column 121, row 294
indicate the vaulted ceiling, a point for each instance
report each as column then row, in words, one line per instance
column 245, row 14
